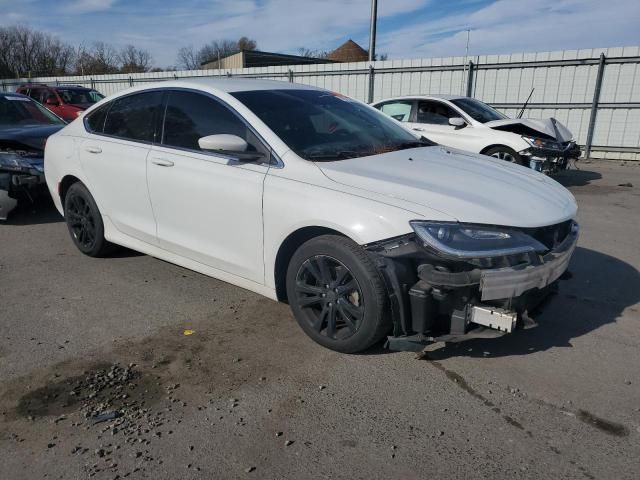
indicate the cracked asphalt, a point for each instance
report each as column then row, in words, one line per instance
column 247, row 395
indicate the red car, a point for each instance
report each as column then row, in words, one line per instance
column 65, row 101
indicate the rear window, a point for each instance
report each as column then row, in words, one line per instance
column 134, row 117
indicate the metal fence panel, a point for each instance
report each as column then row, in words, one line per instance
column 564, row 84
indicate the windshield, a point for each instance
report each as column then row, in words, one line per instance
column 79, row 96
column 320, row 125
column 477, row 110
column 22, row 111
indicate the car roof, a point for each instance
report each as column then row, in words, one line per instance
column 13, row 94
column 423, row 97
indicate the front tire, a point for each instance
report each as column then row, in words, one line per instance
column 84, row 222
column 505, row 153
column 337, row 294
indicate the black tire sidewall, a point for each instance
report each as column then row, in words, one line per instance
column 375, row 322
column 100, row 245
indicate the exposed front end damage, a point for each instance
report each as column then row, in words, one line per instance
column 551, row 144
column 437, row 298
column 21, row 171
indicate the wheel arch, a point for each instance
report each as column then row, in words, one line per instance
column 495, row 145
column 288, row 247
column 64, row 185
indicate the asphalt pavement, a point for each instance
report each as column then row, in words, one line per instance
column 130, row 367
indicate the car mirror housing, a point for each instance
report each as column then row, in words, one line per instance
column 457, row 122
column 52, row 102
column 223, row 142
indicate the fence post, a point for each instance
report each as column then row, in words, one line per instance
column 130, row 81
column 594, row 106
column 290, row 76
column 470, row 79
column 372, row 73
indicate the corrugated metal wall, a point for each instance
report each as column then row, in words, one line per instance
column 564, row 83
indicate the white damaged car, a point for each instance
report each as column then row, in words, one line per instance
column 469, row 124
column 312, row 198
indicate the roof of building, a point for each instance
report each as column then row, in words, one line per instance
column 349, row 51
column 256, row 58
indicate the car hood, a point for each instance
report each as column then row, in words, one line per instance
column 468, row 187
column 527, row 126
column 28, row 137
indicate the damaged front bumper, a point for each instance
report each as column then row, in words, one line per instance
column 433, row 299
column 19, row 173
column 551, row 160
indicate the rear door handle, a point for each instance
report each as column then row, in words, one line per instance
column 161, row 162
column 92, row 149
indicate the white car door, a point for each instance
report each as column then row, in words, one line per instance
column 432, row 120
column 208, row 206
column 113, row 155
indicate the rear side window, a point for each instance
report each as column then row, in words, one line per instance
column 133, row 117
column 400, row 111
column 95, row 120
column 190, row 116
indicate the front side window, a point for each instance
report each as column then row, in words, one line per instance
column 190, row 116
column 324, row 126
column 400, row 110
column 434, row 112
column 79, row 96
column 479, row 111
column 134, row 117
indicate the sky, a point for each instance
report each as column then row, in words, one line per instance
column 406, row 28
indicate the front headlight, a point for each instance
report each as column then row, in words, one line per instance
column 542, row 143
column 472, row 241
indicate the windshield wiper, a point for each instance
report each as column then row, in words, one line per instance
column 328, row 156
column 423, row 142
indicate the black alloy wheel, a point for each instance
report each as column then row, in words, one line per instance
column 84, row 222
column 330, row 297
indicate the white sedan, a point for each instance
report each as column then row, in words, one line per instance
column 312, row 198
column 471, row 125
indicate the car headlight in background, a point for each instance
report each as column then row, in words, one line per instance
column 542, row 143
column 472, row 241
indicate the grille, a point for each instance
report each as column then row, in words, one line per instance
column 551, row 235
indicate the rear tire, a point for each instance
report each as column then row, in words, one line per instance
column 505, row 153
column 84, row 222
column 337, row 295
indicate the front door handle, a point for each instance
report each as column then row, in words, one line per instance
column 161, row 162
column 418, row 129
column 92, row 149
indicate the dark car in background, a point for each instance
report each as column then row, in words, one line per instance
column 25, row 126
column 67, row 101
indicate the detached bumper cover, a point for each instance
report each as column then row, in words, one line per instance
column 514, row 281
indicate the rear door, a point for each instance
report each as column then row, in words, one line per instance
column 114, row 159
column 208, row 206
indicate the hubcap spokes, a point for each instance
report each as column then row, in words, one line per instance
column 330, row 296
column 507, row 157
column 81, row 221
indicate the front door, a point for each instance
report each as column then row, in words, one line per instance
column 432, row 120
column 208, row 206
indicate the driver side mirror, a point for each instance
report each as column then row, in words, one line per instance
column 457, row 122
column 52, row 102
column 231, row 145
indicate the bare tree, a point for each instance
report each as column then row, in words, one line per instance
column 134, row 60
column 307, row 52
column 192, row 59
column 188, row 58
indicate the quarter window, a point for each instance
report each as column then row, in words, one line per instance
column 95, row 120
column 190, row 116
column 133, row 117
column 400, row 111
column 435, row 113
